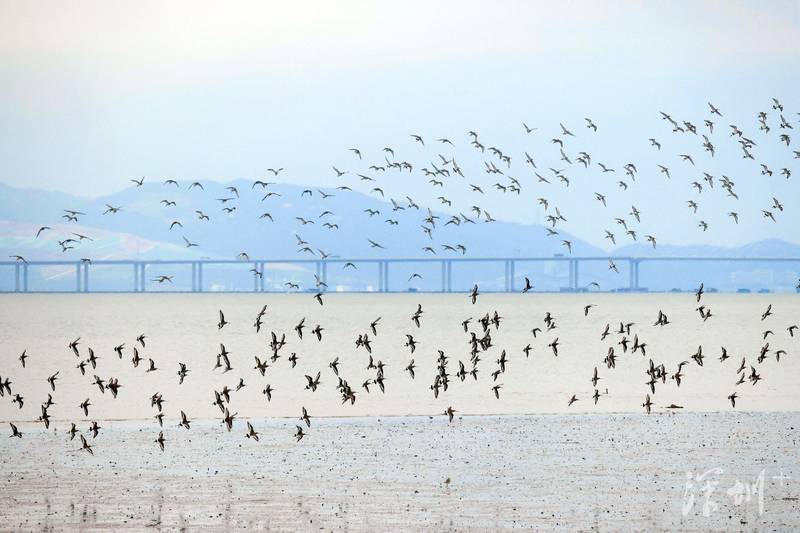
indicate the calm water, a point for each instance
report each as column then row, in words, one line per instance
column 184, row 328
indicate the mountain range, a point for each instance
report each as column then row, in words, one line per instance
column 141, row 229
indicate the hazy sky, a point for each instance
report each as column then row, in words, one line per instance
column 97, row 92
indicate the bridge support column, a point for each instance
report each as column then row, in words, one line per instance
column 199, row 277
column 85, row 277
column 255, row 277
column 449, row 276
column 506, row 276
column 385, row 276
column 17, row 285
column 576, row 270
column 25, row 277
column 512, row 267
column 444, row 276
column 77, row 277
column 261, row 278
column 631, row 274
column 636, row 274
column 142, row 268
column 571, row 272
column 194, row 277
column 325, row 276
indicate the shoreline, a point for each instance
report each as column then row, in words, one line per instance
column 421, row 416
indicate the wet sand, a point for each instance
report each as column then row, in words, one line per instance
column 540, row 472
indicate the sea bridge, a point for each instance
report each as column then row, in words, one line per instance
column 260, row 268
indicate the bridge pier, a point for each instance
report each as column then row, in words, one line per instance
column 449, row 276
column 631, row 274
column 325, row 276
column 571, row 264
column 23, row 271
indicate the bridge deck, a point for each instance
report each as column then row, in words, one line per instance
column 139, row 268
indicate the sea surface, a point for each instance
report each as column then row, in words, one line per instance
column 183, row 328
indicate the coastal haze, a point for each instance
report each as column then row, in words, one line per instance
column 640, row 375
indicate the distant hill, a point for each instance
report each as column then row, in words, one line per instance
column 228, row 234
column 141, row 230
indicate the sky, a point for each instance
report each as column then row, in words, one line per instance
column 98, row 92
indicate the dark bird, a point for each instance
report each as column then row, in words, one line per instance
column 52, row 381
column 410, row 368
column 528, row 285
column 572, row 400
column 554, row 346
column 85, row 445
column 474, row 294
column 299, row 327
column 251, row 433
column 411, row 343
column 313, row 383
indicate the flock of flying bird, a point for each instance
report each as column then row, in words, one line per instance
column 625, row 340
column 444, row 172
column 478, row 330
